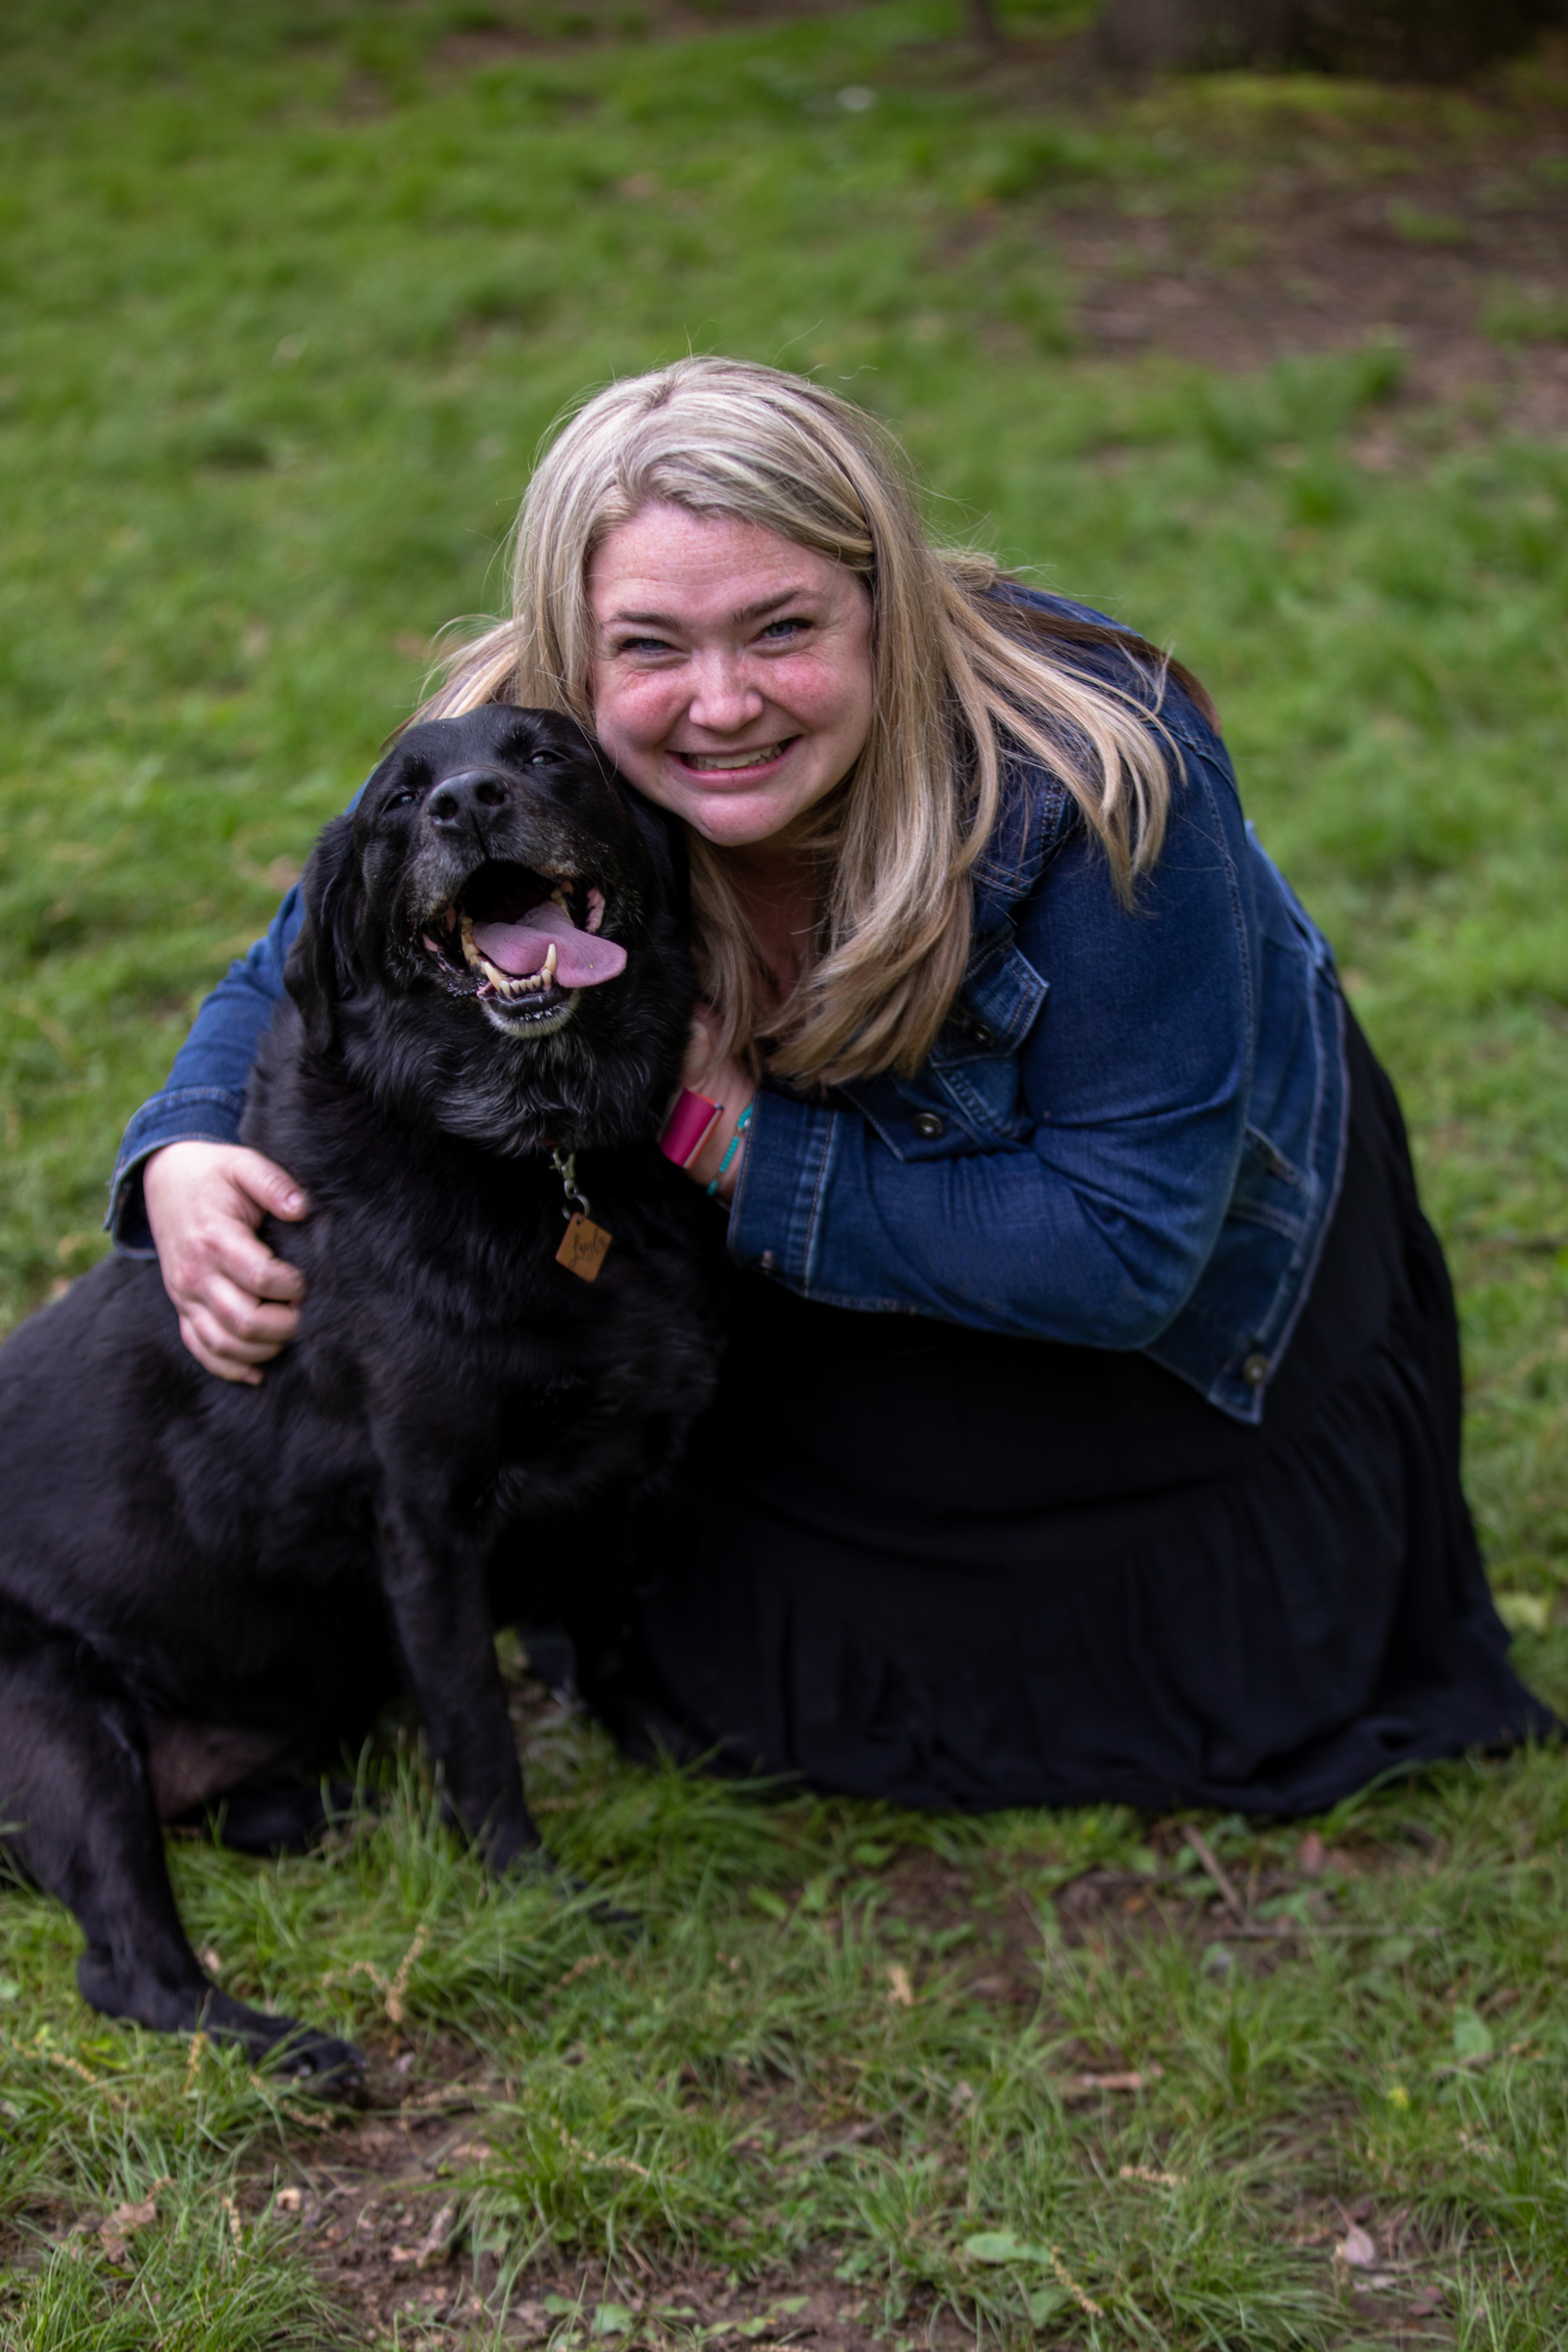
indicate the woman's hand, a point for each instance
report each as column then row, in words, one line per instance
column 724, row 1080
column 238, row 1305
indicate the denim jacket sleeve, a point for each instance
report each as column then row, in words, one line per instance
column 1061, row 1166
column 206, row 1091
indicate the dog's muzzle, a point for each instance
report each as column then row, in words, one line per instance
column 524, row 942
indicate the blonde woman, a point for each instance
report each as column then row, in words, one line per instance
column 1089, row 1425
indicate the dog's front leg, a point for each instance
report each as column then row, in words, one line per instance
column 435, row 1582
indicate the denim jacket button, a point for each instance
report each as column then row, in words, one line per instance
column 1255, row 1371
column 928, row 1125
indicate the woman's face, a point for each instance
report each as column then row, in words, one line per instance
column 732, row 671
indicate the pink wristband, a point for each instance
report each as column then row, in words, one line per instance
column 688, row 1127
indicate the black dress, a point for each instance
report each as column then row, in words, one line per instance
column 914, row 1561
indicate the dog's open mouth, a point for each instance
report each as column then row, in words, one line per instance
column 527, row 940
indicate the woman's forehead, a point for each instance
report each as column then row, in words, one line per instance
column 723, row 564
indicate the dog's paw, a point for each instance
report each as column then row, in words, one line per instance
column 330, row 2069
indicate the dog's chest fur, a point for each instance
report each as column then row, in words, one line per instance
column 439, row 1321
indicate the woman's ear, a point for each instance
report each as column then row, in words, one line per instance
column 323, row 967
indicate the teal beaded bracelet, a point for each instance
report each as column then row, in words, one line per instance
column 741, row 1125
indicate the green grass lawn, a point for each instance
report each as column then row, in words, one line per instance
column 289, row 294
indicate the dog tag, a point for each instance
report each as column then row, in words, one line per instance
column 583, row 1247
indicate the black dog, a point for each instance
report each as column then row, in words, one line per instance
column 204, row 1587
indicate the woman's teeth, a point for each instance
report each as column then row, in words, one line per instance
column 729, row 764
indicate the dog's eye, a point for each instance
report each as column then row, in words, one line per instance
column 399, row 799
column 545, row 760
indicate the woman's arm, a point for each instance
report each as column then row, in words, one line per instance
column 205, row 1096
column 1094, row 1220
column 185, row 1188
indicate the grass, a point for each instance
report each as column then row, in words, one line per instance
column 290, row 295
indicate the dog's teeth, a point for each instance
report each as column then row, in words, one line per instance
column 547, row 970
column 560, row 896
column 470, row 952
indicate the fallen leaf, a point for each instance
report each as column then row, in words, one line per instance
column 1358, row 2250
column 1471, row 2037
column 113, row 2233
column 1001, row 2245
column 1309, row 1856
column 900, row 1989
column 1427, row 2304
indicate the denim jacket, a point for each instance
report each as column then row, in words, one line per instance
column 1130, row 1131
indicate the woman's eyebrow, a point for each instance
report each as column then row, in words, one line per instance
column 742, row 612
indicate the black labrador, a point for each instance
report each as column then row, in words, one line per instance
column 205, row 1588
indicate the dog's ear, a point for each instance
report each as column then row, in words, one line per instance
column 323, row 967
column 663, row 836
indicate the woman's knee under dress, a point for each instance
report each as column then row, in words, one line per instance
column 919, row 1562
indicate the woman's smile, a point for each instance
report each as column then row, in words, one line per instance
column 733, row 764
column 732, row 671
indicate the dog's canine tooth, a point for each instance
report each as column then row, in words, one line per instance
column 548, row 969
column 560, row 896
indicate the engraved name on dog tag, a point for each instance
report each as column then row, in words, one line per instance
column 584, row 1247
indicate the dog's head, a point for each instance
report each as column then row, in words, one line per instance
column 495, row 939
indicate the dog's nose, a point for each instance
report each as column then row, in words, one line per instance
column 458, row 801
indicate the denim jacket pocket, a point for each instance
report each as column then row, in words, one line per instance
column 965, row 1097
column 1270, row 1190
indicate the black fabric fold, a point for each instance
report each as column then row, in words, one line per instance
column 913, row 1561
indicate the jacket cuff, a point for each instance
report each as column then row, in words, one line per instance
column 187, row 1114
column 775, row 1214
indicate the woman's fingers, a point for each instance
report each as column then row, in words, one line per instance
column 236, row 1299
column 702, row 1051
column 194, row 1336
column 234, row 1258
column 261, row 1180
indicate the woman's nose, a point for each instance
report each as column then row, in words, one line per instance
column 723, row 697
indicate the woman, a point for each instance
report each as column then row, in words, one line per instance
column 1089, row 1427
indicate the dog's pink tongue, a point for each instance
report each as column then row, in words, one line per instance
column 519, row 949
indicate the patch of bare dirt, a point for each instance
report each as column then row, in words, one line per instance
column 1325, row 268
column 380, row 2218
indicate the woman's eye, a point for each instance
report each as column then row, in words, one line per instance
column 779, row 632
column 645, row 645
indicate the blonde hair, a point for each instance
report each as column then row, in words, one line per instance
column 963, row 678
